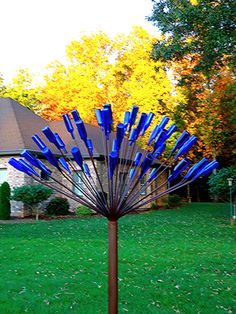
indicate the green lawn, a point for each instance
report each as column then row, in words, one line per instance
column 171, row 261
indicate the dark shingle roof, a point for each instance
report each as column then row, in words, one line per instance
column 18, row 124
column 93, row 132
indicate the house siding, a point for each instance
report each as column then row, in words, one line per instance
column 16, row 179
column 24, row 123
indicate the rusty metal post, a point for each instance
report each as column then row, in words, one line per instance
column 112, row 267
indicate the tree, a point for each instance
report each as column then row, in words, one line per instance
column 32, row 195
column 209, row 103
column 101, row 70
column 79, row 83
column 219, row 185
column 2, row 86
column 23, row 90
column 5, row 206
column 198, row 43
column 142, row 80
column 228, row 107
column 202, row 27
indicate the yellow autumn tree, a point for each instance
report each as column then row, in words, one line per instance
column 117, row 70
column 78, row 83
column 141, row 80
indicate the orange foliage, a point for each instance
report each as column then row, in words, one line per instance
column 204, row 114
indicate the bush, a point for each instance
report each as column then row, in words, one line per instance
column 83, row 211
column 58, row 206
column 32, row 195
column 171, row 201
column 154, row 206
column 5, row 205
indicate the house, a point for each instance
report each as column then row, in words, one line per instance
column 18, row 124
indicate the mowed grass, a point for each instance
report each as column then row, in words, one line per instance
column 170, row 261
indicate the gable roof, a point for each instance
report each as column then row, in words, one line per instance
column 18, row 124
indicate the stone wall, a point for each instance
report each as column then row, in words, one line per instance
column 161, row 183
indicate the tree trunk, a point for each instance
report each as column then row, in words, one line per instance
column 37, row 214
column 188, row 194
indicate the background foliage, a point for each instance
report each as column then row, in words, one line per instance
column 187, row 73
column 218, row 182
column 201, row 27
column 198, row 43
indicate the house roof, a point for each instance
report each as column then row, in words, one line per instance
column 18, row 124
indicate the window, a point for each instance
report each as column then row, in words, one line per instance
column 3, row 175
column 44, row 176
column 77, row 178
column 123, row 180
column 143, row 184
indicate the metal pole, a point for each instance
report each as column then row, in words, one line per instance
column 230, row 200
column 112, row 267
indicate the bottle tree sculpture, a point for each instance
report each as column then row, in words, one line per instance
column 126, row 165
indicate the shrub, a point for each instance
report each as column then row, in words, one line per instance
column 32, row 195
column 154, row 206
column 83, row 211
column 5, row 205
column 58, row 206
column 171, row 201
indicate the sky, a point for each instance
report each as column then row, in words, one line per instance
column 33, row 33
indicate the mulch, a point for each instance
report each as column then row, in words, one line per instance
column 16, row 220
column 42, row 217
column 31, row 219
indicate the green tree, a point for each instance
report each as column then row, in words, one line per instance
column 5, row 206
column 202, row 27
column 32, row 195
column 23, row 90
column 218, row 184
